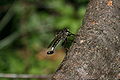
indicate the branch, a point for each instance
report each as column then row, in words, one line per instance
column 8, row 40
column 7, row 17
column 2, row 75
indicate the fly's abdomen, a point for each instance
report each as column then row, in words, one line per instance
column 53, row 45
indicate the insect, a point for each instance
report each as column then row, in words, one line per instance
column 61, row 36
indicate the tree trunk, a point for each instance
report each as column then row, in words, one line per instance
column 96, row 51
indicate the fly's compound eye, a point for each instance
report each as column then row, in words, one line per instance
column 50, row 52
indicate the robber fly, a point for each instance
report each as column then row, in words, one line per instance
column 61, row 36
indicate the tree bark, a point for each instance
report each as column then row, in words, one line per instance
column 95, row 54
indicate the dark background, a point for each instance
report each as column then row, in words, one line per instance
column 26, row 29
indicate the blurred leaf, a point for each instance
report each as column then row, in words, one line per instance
column 37, row 21
column 16, row 65
column 61, row 7
column 81, row 11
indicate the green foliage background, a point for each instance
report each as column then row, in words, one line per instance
column 27, row 28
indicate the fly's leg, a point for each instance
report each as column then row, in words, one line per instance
column 65, row 45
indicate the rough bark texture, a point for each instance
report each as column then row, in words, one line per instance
column 96, row 51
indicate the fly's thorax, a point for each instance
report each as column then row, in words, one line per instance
column 65, row 35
